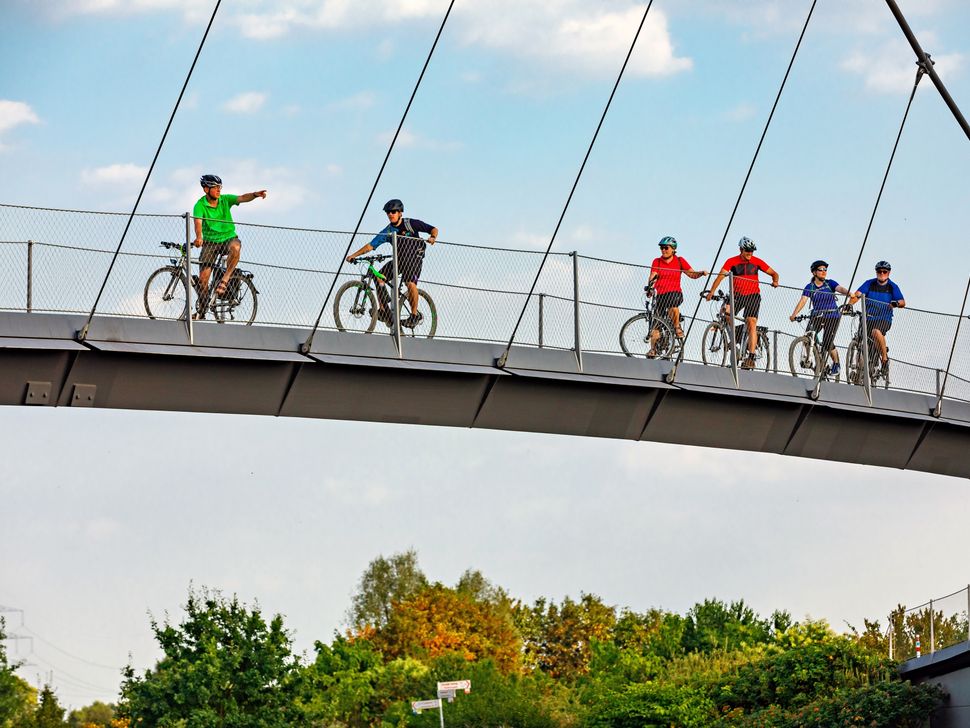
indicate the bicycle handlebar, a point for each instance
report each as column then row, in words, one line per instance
column 716, row 297
column 173, row 246
column 371, row 258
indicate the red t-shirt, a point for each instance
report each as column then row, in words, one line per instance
column 745, row 274
column 668, row 273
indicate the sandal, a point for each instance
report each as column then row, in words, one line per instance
column 222, row 288
column 679, row 333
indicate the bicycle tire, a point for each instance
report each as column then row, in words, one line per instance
column 429, row 324
column 803, row 350
column 637, row 343
column 157, row 302
column 764, row 349
column 855, row 371
column 224, row 311
column 715, row 336
column 363, row 311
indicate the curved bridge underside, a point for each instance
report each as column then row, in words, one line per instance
column 139, row 364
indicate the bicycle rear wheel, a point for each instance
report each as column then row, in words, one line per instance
column 166, row 295
column 427, row 320
column 239, row 304
column 715, row 345
column 355, row 308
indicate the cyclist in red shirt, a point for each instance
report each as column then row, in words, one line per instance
column 665, row 273
column 747, row 290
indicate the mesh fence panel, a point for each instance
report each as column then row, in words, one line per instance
column 13, row 275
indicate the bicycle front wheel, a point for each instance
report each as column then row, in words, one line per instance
column 355, row 308
column 166, row 295
column 239, row 305
column 636, row 334
column 803, row 357
column 715, row 345
column 425, row 323
column 856, row 365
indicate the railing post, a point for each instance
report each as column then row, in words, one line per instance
column 189, row 288
column 395, row 303
column 939, row 391
column 866, row 353
column 30, row 275
column 932, row 633
column 732, row 334
column 578, row 343
column 774, row 346
column 542, row 298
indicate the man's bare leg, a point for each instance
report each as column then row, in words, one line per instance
column 752, row 323
column 413, row 296
column 232, row 260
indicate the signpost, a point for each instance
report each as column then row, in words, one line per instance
column 446, row 691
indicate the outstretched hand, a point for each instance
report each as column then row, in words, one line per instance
column 261, row 193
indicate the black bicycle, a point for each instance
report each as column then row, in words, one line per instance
column 651, row 333
column 805, row 355
column 716, row 342
column 355, row 306
column 856, row 356
column 166, row 291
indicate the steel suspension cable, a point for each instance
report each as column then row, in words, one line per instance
column 82, row 334
column 744, row 185
column 305, row 347
column 505, row 354
column 946, row 375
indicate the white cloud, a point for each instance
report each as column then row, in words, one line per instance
column 13, row 114
column 334, row 170
column 741, row 112
column 357, row 102
column 120, row 174
column 891, row 68
column 407, row 139
column 246, row 103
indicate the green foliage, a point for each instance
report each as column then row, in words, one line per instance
column 49, row 712
column 643, row 705
column 96, row 715
column 385, row 582
column 713, row 625
column 18, row 700
column 222, row 666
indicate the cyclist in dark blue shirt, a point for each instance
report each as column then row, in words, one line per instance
column 882, row 296
column 410, row 250
column 825, row 310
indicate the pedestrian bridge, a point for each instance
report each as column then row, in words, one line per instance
column 141, row 364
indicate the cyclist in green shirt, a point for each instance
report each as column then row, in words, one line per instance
column 215, row 233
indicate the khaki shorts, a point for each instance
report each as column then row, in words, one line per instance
column 211, row 251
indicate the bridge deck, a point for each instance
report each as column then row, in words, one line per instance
column 140, row 364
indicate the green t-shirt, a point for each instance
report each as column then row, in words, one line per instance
column 217, row 225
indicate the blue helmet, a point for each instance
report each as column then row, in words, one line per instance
column 747, row 244
column 883, row 264
column 668, row 240
column 210, row 180
column 394, row 205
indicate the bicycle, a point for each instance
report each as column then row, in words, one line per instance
column 636, row 332
column 716, row 342
column 805, row 355
column 355, row 306
column 856, row 356
column 166, row 292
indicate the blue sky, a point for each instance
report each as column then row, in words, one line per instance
column 300, row 96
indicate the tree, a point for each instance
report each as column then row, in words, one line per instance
column 558, row 636
column 438, row 621
column 17, row 699
column 222, row 666
column 712, row 625
column 49, row 713
column 384, row 582
column 96, row 715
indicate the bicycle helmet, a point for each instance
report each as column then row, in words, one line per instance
column 668, row 240
column 883, row 264
column 819, row 264
column 747, row 244
column 210, row 180
column 394, row 206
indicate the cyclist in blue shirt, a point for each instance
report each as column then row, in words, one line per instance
column 882, row 296
column 410, row 249
column 825, row 317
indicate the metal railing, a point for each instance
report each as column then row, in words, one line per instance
column 929, row 627
column 55, row 261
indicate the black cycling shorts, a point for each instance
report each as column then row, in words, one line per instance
column 882, row 325
column 749, row 303
column 409, row 268
column 829, row 326
column 668, row 300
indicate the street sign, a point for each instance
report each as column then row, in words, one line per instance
column 455, row 685
column 448, row 695
column 418, row 705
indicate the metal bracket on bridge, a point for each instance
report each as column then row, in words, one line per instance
column 84, row 395
column 38, row 393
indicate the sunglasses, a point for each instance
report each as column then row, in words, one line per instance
column 882, row 270
column 821, row 270
column 666, row 247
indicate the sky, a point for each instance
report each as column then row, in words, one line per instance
column 106, row 520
